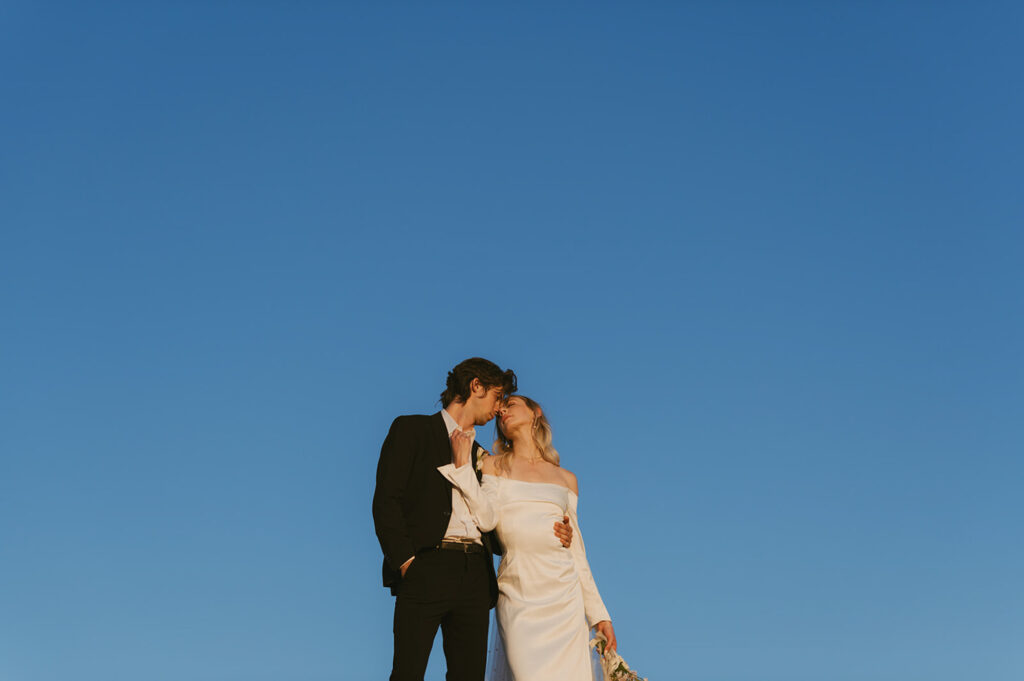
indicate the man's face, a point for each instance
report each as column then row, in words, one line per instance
column 489, row 405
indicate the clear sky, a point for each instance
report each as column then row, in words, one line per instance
column 760, row 261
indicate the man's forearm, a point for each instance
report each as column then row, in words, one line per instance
column 392, row 532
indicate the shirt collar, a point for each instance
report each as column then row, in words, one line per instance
column 452, row 426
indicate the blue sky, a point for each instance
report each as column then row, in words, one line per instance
column 759, row 261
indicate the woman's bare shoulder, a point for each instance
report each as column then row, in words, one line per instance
column 488, row 465
column 570, row 480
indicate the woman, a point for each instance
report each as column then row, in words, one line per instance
column 547, row 596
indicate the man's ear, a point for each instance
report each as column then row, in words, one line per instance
column 477, row 388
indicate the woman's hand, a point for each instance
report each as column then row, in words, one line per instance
column 606, row 628
column 462, row 447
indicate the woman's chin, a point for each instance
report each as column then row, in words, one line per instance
column 511, row 429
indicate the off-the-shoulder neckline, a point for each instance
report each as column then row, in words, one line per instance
column 530, row 482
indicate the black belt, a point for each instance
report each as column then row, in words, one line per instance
column 460, row 546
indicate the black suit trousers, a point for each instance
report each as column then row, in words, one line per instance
column 446, row 589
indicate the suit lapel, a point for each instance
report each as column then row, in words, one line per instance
column 477, row 450
column 443, row 446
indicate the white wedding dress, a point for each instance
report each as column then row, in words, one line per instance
column 547, row 598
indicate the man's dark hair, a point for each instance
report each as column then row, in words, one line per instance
column 490, row 375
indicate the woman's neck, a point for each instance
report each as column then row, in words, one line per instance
column 523, row 447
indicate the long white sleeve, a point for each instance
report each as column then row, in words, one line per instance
column 592, row 603
column 482, row 501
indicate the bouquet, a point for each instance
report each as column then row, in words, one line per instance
column 612, row 664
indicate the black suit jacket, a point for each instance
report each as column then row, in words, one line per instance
column 412, row 502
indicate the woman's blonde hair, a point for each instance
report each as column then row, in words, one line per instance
column 541, row 438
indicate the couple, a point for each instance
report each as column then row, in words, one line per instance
column 441, row 509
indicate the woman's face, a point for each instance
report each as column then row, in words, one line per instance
column 515, row 414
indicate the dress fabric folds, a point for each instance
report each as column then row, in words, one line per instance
column 547, row 598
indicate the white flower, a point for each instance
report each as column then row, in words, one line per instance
column 614, row 667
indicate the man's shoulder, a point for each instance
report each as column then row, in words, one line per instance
column 417, row 418
column 414, row 421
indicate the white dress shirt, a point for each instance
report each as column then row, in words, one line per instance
column 462, row 524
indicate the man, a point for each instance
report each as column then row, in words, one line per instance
column 436, row 561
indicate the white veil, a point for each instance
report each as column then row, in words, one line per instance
column 497, row 663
